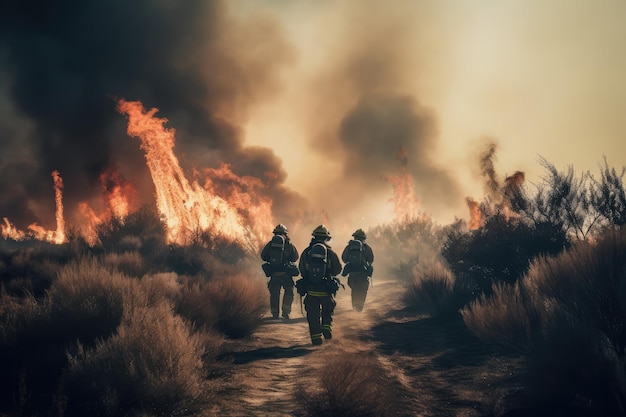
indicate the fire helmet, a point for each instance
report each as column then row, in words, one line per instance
column 359, row 234
column 280, row 229
column 321, row 232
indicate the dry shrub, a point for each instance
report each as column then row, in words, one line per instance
column 350, row 386
column 510, row 318
column 240, row 303
column 17, row 314
column 129, row 263
column 194, row 304
column 161, row 286
column 568, row 317
column 88, row 299
column 433, row 290
column 153, row 363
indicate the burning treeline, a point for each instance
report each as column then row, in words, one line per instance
column 216, row 201
column 220, row 202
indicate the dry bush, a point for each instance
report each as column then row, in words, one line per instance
column 17, row 314
column 434, row 290
column 511, row 317
column 241, row 303
column 350, row 386
column 567, row 316
column 153, row 363
column 161, row 286
column 194, row 304
column 129, row 263
column 87, row 299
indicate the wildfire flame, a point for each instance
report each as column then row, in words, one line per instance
column 476, row 217
column 405, row 202
column 504, row 200
column 189, row 207
column 9, row 231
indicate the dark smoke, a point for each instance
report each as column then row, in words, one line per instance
column 64, row 64
column 368, row 112
column 378, row 129
column 487, row 169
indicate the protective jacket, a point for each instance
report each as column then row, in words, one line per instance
column 333, row 267
column 291, row 253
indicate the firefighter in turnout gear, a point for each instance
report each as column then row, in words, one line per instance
column 280, row 254
column 358, row 257
column 319, row 265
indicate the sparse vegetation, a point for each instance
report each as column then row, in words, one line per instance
column 350, row 386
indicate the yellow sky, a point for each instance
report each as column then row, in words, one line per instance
column 542, row 78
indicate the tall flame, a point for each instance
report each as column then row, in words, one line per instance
column 476, row 217
column 405, row 202
column 186, row 207
column 9, row 231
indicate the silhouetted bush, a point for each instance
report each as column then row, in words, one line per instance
column 499, row 251
column 350, row 386
column 567, row 316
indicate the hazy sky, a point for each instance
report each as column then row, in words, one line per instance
column 539, row 78
column 316, row 98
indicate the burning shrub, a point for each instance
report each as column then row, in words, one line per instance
column 350, row 386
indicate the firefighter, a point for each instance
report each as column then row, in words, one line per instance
column 280, row 254
column 319, row 265
column 358, row 257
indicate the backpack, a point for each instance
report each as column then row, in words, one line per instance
column 276, row 250
column 317, row 261
column 355, row 253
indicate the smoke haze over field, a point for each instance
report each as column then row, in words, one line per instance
column 316, row 99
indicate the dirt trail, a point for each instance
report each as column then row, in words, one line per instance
column 443, row 370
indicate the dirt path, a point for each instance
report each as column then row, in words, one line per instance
column 443, row 370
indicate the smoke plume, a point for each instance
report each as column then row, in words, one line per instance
column 205, row 68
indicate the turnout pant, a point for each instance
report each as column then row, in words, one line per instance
column 320, row 308
column 359, row 284
column 278, row 281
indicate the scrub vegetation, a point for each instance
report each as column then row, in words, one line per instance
column 527, row 307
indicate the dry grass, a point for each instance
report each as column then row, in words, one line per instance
column 350, row 386
column 510, row 318
column 435, row 291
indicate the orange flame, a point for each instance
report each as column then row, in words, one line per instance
column 9, row 231
column 405, row 202
column 118, row 193
column 186, row 207
column 476, row 217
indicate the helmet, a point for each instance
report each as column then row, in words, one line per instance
column 359, row 234
column 321, row 231
column 280, row 229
